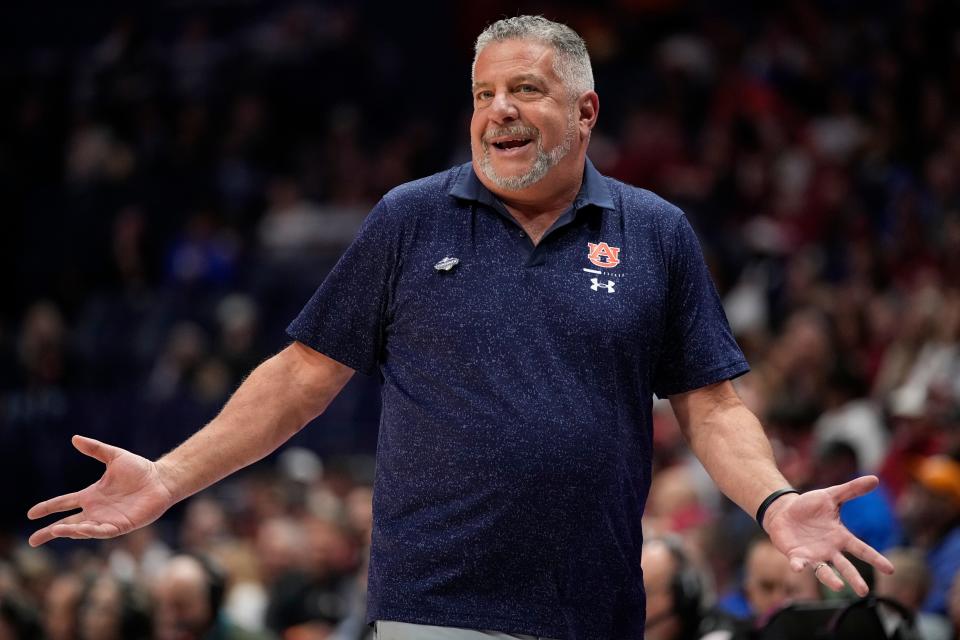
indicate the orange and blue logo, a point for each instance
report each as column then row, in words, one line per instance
column 603, row 255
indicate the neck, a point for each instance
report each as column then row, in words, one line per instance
column 531, row 210
column 550, row 197
column 536, row 213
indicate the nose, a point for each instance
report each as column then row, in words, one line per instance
column 503, row 108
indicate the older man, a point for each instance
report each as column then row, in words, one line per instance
column 522, row 309
column 677, row 597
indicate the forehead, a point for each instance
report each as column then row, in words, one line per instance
column 764, row 559
column 514, row 57
column 658, row 563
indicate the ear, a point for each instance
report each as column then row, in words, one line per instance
column 588, row 108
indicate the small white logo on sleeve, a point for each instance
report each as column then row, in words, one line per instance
column 446, row 264
column 597, row 285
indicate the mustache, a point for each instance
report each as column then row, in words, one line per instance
column 519, row 131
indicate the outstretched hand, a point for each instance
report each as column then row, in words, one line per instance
column 130, row 494
column 807, row 529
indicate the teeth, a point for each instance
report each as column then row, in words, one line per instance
column 513, row 142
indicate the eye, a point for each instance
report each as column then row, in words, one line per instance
column 484, row 95
column 527, row 88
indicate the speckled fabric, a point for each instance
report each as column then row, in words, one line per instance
column 514, row 450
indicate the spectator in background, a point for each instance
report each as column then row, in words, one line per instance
column 18, row 621
column 204, row 256
column 113, row 610
column 246, row 598
column 204, row 525
column 674, row 504
column 915, row 436
column 293, row 226
column 61, row 607
column 42, row 347
column 280, row 544
column 237, row 317
column 176, row 366
column 317, row 594
column 138, row 557
column 188, row 597
column 677, row 607
column 870, row 517
column 930, row 512
column 769, row 584
column 853, row 418
column 909, row 585
column 953, row 607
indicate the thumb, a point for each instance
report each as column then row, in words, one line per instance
column 853, row 489
column 101, row 451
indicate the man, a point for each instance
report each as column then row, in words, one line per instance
column 768, row 582
column 522, row 309
column 188, row 599
column 930, row 511
column 676, row 597
column 909, row 586
column 871, row 517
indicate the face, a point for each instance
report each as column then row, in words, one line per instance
column 923, row 512
column 181, row 602
column 659, row 567
column 102, row 611
column 767, row 583
column 60, row 608
column 525, row 121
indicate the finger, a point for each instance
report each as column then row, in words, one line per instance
column 96, row 449
column 39, row 537
column 853, row 489
column 869, row 555
column 825, row 574
column 65, row 502
column 799, row 564
column 42, row 536
column 850, row 574
column 87, row 529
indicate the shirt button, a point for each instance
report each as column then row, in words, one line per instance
column 523, row 235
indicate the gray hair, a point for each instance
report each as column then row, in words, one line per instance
column 572, row 61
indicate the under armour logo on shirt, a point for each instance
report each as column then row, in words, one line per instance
column 597, row 285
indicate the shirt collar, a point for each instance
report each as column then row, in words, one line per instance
column 593, row 190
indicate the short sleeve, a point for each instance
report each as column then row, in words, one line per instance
column 347, row 316
column 698, row 347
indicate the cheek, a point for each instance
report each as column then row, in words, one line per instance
column 658, row 604
column 476, row 127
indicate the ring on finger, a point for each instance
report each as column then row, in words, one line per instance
column 819, row 566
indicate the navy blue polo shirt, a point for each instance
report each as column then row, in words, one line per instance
column 514, row 453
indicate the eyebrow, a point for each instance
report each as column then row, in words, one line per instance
column 515, row 79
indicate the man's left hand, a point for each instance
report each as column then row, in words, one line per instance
column 807, row 529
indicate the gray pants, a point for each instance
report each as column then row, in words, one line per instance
column 389, row 630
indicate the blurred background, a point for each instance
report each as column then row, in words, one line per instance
column 177, row 177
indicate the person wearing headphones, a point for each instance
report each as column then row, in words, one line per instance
column 677, row 596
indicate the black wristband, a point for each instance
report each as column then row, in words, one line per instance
column 773, row 497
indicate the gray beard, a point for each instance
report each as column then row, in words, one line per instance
column 544, row 161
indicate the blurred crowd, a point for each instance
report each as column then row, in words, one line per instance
column 274, row 553
column 178, row 178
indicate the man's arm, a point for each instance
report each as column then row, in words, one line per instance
column 275, row 401
column 730, row 442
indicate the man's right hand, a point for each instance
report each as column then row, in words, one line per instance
column 130, row 494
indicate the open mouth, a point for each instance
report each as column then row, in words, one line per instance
column 513, row 143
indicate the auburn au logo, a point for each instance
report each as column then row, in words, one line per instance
column 603, row 255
